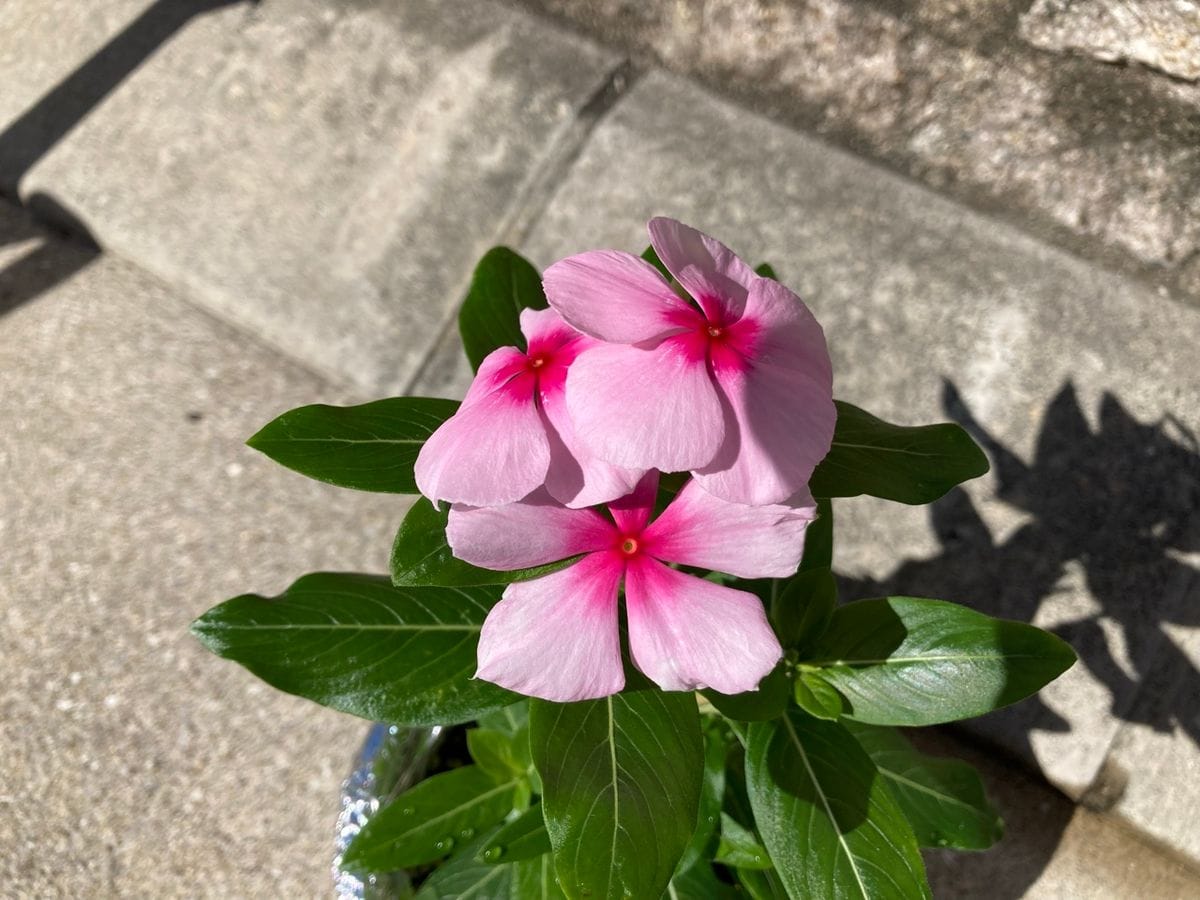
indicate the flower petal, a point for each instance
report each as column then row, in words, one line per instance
column 494, row 449
column 686, row 633
column 576, row 476
column 533, row 532
column 787, row 334
column 613, row 296
column 556, row 637
column 700, row 529
column 632, row 512
column 544, row 329
column 653, row 408
column 708, row 270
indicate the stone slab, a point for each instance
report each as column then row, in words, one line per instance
column 322, row 173
column 1162, row 34
column 1155, row 759
column 1085, row 385
column 135, row 763
column 1100, row 158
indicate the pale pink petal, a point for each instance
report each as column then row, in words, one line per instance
column 686, row 633
column 556, row 637
column 700, row 529
column 632, row 512
column 653, row 408
column 494, row 449
column 544, row 329
column 532, row 532
column 786, row 333
column 577, row 477
column 713, row 274
column 782, row 427
column 613, row 296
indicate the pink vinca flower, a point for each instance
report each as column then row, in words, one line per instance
column 736, row 387
column 512, row 433
column 556, row 636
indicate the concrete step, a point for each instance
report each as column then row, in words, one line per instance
column 322, row 173
column 135, row 763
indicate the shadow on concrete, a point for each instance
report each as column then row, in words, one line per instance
column 32, row 135
column 61, row 249
column 1116, row 505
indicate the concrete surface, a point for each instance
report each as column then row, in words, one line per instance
column 1162, row 34
column 1102, row 159
column 911, row 290
column 132, row 761
column 328, row 171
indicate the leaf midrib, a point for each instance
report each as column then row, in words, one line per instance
column 825, row 803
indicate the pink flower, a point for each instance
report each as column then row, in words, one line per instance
column 737, row 387
column 512, row 433
column 556, row 636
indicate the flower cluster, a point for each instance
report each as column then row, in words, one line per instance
column 556, row 451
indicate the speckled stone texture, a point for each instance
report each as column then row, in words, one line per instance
column 1162, row 34
column 322, row 173
column 134, row 763
column 1102, row 159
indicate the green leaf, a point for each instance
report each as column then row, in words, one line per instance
column 496, row 753
column 826, row 816
column 464, row 877
column 762, row 884
column 906, row 661
column 504, row 283
column 371, row 447
column 422, row 558
column 509, row 720
column 895, row 462
column 698, row 882
column 818, row 697
column 943, row 799
column 739, row 846
column 818, row 539
column 804, row 608
column 525, row 837
column 712, row 792
column 650, row 256
column 621, row 779
column 355, row 643
column 766, row 271
column 534, row 879
column 426, row 822
column 767, row 702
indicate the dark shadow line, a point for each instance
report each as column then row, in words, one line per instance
column 32, row 135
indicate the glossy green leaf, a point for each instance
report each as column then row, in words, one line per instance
column 826, row 816
column 712, row 792
column 356, row 643
column 430, row 820
column 818, row 697
column 698, row 882
column 739, row 846
column 525, row 837
column 621, row 789
column 534, row 879
column 943, row 799
column 766, row 271
column 767, row 702
column 464, row 877
column 906, row 464
column 422, row 558
column 496, row 753
column 906, row 661
column 762, row 884
column 818, row 539
column 504, row 283
column 371, row 447
column 804, row 608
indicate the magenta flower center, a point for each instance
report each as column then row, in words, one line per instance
column 629, row 546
